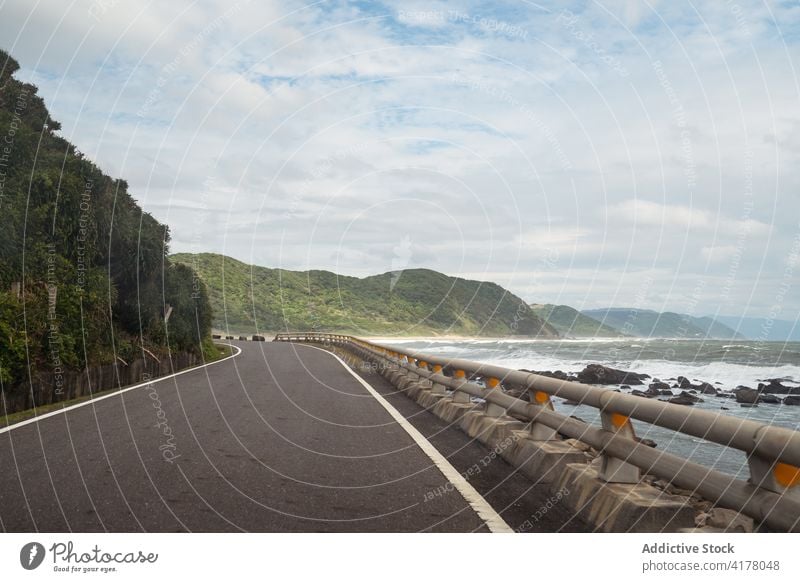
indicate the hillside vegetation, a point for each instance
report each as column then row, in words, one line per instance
column 647, row 323
column 570, row 322
column 412, row 302
column 84, row 273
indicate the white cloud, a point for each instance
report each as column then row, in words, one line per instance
column 334, row 131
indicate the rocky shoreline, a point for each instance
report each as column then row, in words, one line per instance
column 689, row 392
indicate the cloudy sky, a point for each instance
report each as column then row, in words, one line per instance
column 625, row 153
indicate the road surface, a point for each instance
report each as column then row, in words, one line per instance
column 281, row 438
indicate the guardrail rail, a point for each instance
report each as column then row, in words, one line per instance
column 771, row 494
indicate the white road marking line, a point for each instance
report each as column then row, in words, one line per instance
column 117, row 393
column 486, row 512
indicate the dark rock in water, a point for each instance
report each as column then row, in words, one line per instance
column 746, row 395
column 684, row 383
column 724, row 395
column 645, row 442
column 597, row 374
column 692, row 391
column 577, row 418
column 718, row 383
column 706, row 388
column 687, row 400
column 792, row 400
column 784, row 379
column 640, row 393
column 724, row 408
column 653, row 390
column 625, row 387
column 769, row 399
column 659, row 389
column 775, row 387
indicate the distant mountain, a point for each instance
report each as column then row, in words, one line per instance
column 570, row 322
column 647, row 323
column 756, row 328
column 410, row 302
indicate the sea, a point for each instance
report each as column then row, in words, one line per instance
column 725, row 364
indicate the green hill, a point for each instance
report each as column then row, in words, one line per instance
column 647, row 323
column 570, row 322
column 247, row 298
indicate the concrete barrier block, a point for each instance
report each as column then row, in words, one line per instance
column 450, row 411
column 391, row 375
column 542, row 461
column 621, row 507
column 416, row 389
column 428, row 399
column 404, row 382
column 490, row 430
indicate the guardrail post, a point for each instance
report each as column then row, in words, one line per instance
column 781, row 478
column 612, row 469
column 436, row 387
column 459, row 396
column 539, row 431
column 411, row 363
column 492, row 409
column 424, row 365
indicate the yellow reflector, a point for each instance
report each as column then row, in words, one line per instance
column 541, row 397
column 619, row 420
column 786, row 475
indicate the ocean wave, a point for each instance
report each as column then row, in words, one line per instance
column 728, row 375
column 740, row 346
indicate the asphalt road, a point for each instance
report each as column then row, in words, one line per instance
column 281, row 438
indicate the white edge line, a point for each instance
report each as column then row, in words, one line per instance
column 116, row 393
column 485, row 511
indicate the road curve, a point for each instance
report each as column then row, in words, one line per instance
column 280, row 438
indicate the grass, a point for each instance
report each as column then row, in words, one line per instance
column 215, row 353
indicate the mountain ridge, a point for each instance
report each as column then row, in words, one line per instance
column 668, row 324
column 570, row 322
column 249, row 298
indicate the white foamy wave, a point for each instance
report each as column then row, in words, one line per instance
column 572, row 356
column 728, row 375
column 740, row 346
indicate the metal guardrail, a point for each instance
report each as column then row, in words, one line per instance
column 771, row 494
